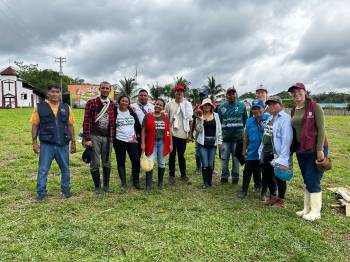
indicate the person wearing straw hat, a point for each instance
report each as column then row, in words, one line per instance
column 310, row 145
column 208, row 127
column 156, row 141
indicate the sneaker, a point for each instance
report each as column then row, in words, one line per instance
column 40, row 197
column 107, row 190
column 124, row 187
column 98, row 190
column 242, row 194
column 279, row 203
column 186, row 180
column 205, row 186
column 171, row 180
column 67, row 194
column 256, row 190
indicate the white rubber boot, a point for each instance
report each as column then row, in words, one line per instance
column 306, row 209
column 316, row 205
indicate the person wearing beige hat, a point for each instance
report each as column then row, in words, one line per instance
column 208, row 128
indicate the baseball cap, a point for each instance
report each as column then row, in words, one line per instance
column 296, row 86
column 258, row 103
column 231, row 89
column 276, row 99
column 261, row 87
column 179, row 87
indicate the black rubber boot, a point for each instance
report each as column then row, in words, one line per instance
column 136, row 179
column 106, row 176
column 209, row 175
column 205, row 177
column 97, row 182
column 149, row 181
column 122, row 176
column 161, row 172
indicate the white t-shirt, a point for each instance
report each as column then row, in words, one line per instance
column 125, row 127
column 149, row 108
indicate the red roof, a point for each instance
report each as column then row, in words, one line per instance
column 8, row 72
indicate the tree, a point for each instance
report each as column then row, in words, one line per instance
column 168, row 91
column 128, row 87
column 194, row 96
column 40, row 79
column 156, row 91
column 251, row 95
column 213, row 88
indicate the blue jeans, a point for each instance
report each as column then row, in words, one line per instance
column 49, row 152
column 207, row 156
column 158, row 152
column 311, row 174
column 229, row 148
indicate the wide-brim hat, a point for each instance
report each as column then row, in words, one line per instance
column 207, row 101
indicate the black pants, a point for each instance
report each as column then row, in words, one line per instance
column 120, row 148
column 269, row 179
column 251, row 167
column 179, row 146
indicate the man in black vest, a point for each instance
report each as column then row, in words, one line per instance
column 52, row 122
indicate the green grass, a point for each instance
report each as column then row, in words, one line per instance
column 181, row 223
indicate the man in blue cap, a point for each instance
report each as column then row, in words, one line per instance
column 252, row 138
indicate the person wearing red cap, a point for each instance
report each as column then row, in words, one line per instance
column 310, row 145
column 179, row 112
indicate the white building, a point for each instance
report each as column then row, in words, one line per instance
column 14, row 92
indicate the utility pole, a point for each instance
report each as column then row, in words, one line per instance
column 61, row 60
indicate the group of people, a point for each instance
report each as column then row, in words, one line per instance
column 262, row 140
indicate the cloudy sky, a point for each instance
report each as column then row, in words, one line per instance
column 241, row 43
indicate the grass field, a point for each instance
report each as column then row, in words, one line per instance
column 181, row 223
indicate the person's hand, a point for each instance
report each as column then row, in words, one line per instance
column 36, row 147
column 221, row 146
column 143, row 147
column 171, row 148
column 189, row 138
column 73, row 147
column 133, row 109
column 320, row 156
column 87, row 144
column 199, row 113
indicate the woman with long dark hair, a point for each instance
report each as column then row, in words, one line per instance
column 309, row 144
column 156, row 141
column 128, row 129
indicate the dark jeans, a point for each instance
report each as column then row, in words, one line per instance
column 251, row 167
column 120, row 148
column 269, row 179
column 311, row 174
column 179, row 146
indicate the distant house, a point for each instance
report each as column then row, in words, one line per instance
column 14, row 93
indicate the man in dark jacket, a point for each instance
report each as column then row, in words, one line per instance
column 52, row 122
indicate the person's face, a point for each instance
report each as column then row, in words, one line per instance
column 179, row 94
column 275, row 108
column 206, row 108
column 231, row 96
column 298, row 95
column 257, row 111
column 143, row 98
column 123, row 103
column 54, row 95
column 105, row 89
column 158, row 106
column 261, row 94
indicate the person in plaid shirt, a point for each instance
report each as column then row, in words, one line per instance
column 98, row 133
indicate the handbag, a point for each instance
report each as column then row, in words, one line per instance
column 146, row 163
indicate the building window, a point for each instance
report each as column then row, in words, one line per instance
column 24, row 96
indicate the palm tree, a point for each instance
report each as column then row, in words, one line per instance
column 182, row 81
column 128, row 87
column 213, row 88
column 194, row 96
column 156, row 91
column 168, row 91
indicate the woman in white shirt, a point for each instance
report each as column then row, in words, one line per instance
column 128, row 130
